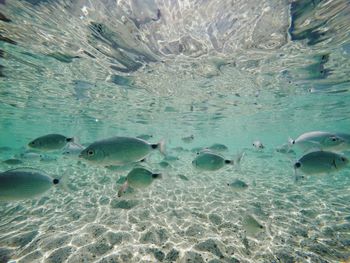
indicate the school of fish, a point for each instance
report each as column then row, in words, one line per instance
column 322, row 153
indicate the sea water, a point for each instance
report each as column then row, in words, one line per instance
column 228, row 72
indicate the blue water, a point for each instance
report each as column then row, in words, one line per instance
column 228, row 72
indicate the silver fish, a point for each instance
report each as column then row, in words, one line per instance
column 320, row 162
column 258, row 145
column 210, row 161
column 24, row 183
column 119, row 150
column 50, row 142
column 72, row 149
column 238, row 185
column 251, row 225
column 138, row 177
column 317, row 140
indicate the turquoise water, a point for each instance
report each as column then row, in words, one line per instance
column 228, row 72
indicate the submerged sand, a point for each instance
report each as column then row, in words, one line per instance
column 187, row 216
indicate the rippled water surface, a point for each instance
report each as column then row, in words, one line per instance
column 192, row 73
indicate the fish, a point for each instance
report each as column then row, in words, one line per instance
column 72, row 149
column 183, row 177
column 238, row 185
column 285, row 149
column 24, row 183
column 170, row 158
column 210, row 161
column 5, row 148
column 251, row 225
column 138, row 177
column 119, row 150
column 28, row 155
column 319, row 140
column 82, row 89
column 12, row 161
column 164, row 164
column 258, row 145
column 218, row 147
column 188, row 139
column 320, row 162
column 50, row 142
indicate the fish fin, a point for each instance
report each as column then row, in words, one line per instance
column 123, row 189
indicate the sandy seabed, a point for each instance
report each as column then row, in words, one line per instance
column 187, row 216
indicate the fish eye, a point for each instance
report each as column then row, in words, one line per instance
column 90, row 152
column 343, row 159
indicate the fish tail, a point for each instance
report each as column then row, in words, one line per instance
column 62, row 182
column 157, row 176
column 123, row 189
column 297, row 177
column 238, row 158
column 160, row 146
column 291, row 141
column 73, row 140
column 232, row 162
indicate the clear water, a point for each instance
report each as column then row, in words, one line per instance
column 228, row 72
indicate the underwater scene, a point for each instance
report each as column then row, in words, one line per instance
column 174, row 131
